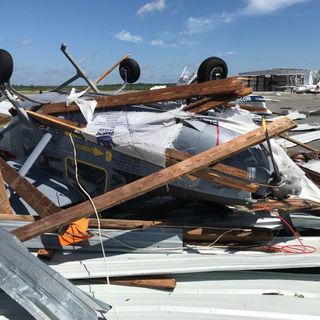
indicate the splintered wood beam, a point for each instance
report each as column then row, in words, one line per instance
column 153, row 181
column 59, row 123
column 288, row 205
column 5, row 206
column 312, row 175
column 301, row 144
column 212, row 103
column 28, row 192
column 209, row 88
column 217, row 176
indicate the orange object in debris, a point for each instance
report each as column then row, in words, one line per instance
column 76, row 232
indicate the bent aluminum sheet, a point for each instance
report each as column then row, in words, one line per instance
column 44, row 293
column 192, row 260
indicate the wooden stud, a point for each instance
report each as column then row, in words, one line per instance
column 151, row 282
column 5, row 206
column 209, row 88
column 301, row 144
column 28, row 192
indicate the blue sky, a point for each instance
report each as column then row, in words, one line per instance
column 162, row 35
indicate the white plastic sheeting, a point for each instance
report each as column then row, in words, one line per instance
column 86, row 107
column 241, row 121
column 144, row 135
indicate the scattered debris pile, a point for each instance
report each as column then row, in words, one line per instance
column 221, row 184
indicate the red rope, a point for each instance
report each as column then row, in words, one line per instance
column 293, row 248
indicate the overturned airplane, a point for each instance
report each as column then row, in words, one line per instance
column 116, row 139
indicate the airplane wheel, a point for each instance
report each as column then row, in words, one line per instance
column 6, row 66
column 131, row 68
column 212, row 68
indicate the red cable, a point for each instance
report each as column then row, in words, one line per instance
column 293, row 248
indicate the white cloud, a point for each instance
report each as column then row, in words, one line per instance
column 188, row 43
column 26, row 42
column 229, row 53
column 157, row 42
column 156, row 5
column 268, row 6
column 199, row 25
column 127, row 36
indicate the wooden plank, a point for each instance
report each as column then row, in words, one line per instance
column 5, row 206
column 301, row 144
column 151, row 282
column 220, row 178
column 17, row 217
column 214, row 103
column 174, row 154
column 153, row 181
column 252, row 235
column 209, row 88
column 52, row 121
column 28, row 192
column 288, row 205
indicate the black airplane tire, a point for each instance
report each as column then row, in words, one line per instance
column 6, row 66
column 212, row 68
column 132, row 69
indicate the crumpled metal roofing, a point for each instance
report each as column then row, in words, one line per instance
column 199, row 259
column 215, row 296
column 44, row 293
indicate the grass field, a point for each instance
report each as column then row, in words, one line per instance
column 32, row 89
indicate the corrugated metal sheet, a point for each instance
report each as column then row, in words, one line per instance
column 215, row 295
column 144, row 240
column 40, row 290
column 83, row 265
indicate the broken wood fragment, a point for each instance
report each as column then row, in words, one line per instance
column 177, row 155
column 288, row 205
column 212, row 103
column 28, row 192
column 153, row 181
column 224, row 235
column 46, row 254
column 59, row 123
column 219, row 174
column 301, row 144
column 17, row 217
column 5, row 206
column 151, row 282
column 209, row 88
